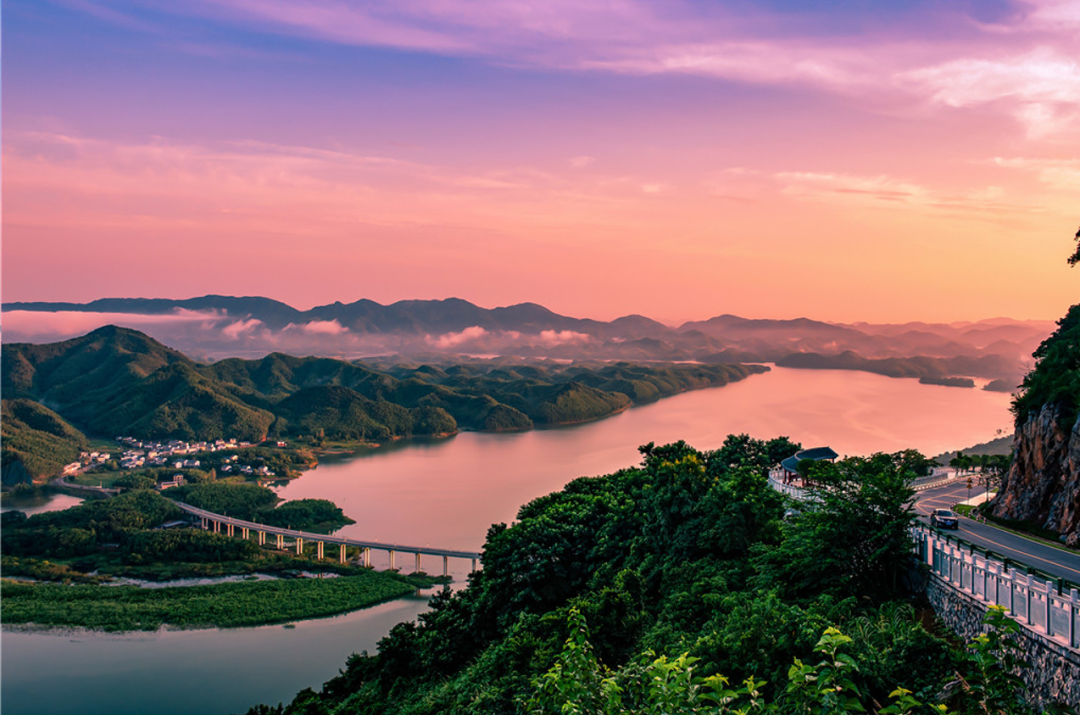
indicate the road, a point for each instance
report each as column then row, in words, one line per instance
column 1053, row 561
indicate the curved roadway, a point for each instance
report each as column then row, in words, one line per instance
column 1054, row 561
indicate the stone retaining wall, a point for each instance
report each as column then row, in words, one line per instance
column 1054, row 675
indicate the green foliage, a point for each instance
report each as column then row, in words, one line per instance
column 187, row 545
column 992, row 684
column 1055, row 381
column 135, row 481
column 252, row 502
column 826, row 688
column 118, row 381
column 240, row 501
column 578, row 682
column 227, row 605
column 851, row 536
column 575, row 402
column 43, row 570
column 35, row 442
column 340, row 413
column 84, row 528
column 318, row 515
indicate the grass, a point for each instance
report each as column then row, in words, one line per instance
column 226, row 605
column 98, row 479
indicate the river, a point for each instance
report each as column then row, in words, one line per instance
column 445, row 494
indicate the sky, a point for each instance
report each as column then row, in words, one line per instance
column 847, row 160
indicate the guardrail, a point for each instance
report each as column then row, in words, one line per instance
column 1048, row 606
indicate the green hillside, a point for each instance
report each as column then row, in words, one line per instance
column 1056, row 377
column 574, row 402
column 116, row 381
column 339, row 413
column 35, row 442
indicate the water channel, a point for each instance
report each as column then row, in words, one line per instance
column 445, row 494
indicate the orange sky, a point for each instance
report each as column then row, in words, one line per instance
column 676, row 159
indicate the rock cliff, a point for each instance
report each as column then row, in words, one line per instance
column 1043, row 484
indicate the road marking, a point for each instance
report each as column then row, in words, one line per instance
column 1024, row 554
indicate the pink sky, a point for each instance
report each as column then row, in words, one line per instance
column 674, row 159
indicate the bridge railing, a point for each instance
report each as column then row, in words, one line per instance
column 215, row 521
column 1050, row 607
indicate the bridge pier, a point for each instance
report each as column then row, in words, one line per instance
column 367, row 558
column 230, row 529
column 204, row 523
column 445, row 566
column 217, row 527
column 262, row 538
column 299, row 546
column 341, row 554
column 319, row 549
column 391, row 560
column 245, row 533
column 417, row 569
column 474, row 564
column 281, row 541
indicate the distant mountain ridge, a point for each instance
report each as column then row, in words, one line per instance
column 216, row 326
column 117, row 381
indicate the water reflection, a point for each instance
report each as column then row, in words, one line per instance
column 446, row 493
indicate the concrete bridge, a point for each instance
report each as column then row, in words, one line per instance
column 219, row 522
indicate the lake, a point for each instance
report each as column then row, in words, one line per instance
column 445, row 494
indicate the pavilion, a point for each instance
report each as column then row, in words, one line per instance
column 791, row 464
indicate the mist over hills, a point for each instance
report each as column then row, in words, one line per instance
column 215, row 327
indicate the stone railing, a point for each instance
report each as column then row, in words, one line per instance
column 964, row 583
column 1046, row 606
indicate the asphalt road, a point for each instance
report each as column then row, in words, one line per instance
column 1045, row 558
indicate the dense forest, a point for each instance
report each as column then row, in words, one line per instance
column 116, row 381
column 685, row 584
column 36, row 441
column 1056, row 377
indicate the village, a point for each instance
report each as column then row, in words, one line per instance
column 175, row 454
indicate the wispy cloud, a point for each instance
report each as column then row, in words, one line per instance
column 319, row 327
column 456, row 339
column 1041, row 88
column 1059, row 175
column 1023, row 63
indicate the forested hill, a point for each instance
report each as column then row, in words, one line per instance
column 616, row 577
column 1043, row 485
column 116, row 381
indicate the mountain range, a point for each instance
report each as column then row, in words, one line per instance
column 117, row 381
column 213, row 327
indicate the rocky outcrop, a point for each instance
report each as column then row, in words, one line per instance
column 1043, row 485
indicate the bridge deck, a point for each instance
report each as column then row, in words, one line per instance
column 311, row 536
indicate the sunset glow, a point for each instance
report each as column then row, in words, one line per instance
column 674, row 159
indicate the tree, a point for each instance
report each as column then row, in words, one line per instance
column 1075, row 257
column 852, row 535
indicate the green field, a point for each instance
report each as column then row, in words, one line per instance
column 226, row 605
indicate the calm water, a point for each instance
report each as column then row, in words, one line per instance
column 446, row 494
column 39, row 504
